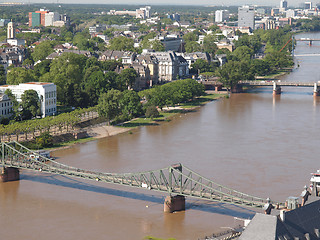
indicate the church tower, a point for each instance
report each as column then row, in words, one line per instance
column 11, row 31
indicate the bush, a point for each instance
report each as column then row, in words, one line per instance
column 5, row 121
column 44, row 140
column 152, row 112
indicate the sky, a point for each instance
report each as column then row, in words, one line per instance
column 274, row 3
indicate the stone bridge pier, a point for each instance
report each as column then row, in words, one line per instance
column 276, row 89
column 9, row 174
column 316, row 90
column 174, row 203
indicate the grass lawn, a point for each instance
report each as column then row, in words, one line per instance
column 274, row 75
column 143, row 121
column 166, row 115
column 202, row 100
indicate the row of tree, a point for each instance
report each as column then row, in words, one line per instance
column 55, row 124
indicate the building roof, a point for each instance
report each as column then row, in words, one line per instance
column 37, row 83
column 296, row 224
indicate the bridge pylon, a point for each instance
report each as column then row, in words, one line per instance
column 9, row 174
column 316, row 90
column 174, row 203
column 276, row 89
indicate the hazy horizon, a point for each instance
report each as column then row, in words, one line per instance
column 216, row 3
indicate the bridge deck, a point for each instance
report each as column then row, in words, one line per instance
column 266, row 83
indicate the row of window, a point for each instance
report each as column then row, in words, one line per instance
column 6, row 111
column 50, row 110
column 50, row 94
column 6, row 104
column 50, row 101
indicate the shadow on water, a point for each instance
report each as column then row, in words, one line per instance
column 200, row 205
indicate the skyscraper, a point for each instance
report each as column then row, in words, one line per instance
column 221, row 15
column 10, row 31
column 308, row 5
column 246, row 17
column 283, row 5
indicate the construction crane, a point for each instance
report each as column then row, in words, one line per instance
column 287, row 44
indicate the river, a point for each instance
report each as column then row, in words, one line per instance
column 253, row 142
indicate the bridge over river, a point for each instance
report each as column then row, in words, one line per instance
column 276, row 84
column 177, row 181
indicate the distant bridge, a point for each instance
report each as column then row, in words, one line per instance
column 176, row 179
column 308, row 55
column 276, row 84
column 310, row 40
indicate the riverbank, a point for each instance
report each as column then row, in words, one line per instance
column 276, row 75
column 103, row 130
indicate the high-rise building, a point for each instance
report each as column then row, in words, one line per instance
column 50, row 18
column 221, row 16
column 283, row 5
column 308, row 5
column 143, row 12
column 42, row 16
column 246, row 17
column 11, row 31
column 34, row 19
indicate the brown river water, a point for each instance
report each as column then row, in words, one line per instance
column 251, row 142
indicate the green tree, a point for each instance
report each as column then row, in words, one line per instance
column 190, row 37
column 2, row 75
column 208, row 44
column 19, row 75
column 152, row 112
column 30, row 104
column 67, row 73
column 128, row 77
column 261, row 67
column 15, row 104
column 42, row 50
column 130, row 104
column 192, row 47
column 94, row 84
column 122, row 44
column 42, row 68
column 109, row 104
column 230, row 74
column 200, row 66
column 278, row 60
column 44, row 140
column 242, row 53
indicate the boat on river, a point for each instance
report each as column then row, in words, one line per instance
column 315, row 178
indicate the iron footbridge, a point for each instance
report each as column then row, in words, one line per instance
column 174, row 180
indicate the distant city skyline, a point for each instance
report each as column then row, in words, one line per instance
column 272, row 3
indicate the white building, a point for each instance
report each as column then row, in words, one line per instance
column 50, row 18
column 291, row 13
column 16, row 42
column 143, row 12
column 246, row 17
column 221, row 16
column 47, row 93
column 5, row 106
